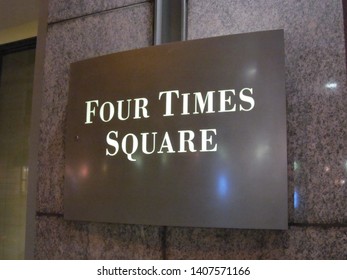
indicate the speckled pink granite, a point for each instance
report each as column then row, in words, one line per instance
column 316, row 124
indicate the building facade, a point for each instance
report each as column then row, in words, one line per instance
column 315, row 75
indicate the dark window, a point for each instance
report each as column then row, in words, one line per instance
column 16, row 82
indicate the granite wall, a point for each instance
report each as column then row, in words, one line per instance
column 316, row 121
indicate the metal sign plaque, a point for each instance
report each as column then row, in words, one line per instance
column 184, row 134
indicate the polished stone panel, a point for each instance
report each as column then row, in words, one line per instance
column 296, row 243
column 118, row 241
column 68, row 42
column 316, row 125
column 60, row 239
column 316, row 131
column 315, row 89
column 61, row 10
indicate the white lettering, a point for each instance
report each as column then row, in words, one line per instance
column 168, row 101
column 186, row 143
column 202, row 103
column 90, row 111
column 166, row 144
column 110, row 114
column 120, row 109
column 134, row 146
column 224, row 100
column 185, row 107
column 112, row 143
column 247, row 99
column 188, row 140
column 142, row 107
column 144, row 142
column 209, row 140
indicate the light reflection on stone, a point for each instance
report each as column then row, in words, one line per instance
column 339, row 182
column 296, row 165
column 296, row 198
column 331, row 85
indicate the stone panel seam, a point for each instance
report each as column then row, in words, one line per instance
column 164, row 228
column 99, row 12
column 163, row 242
column 58, row 215
column 317, row 225
column 88, row 242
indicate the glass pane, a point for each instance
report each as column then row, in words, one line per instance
column 17, row 74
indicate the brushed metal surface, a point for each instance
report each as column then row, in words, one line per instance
column 243, row 184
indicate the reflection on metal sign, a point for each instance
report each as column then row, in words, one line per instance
column 184, row 134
